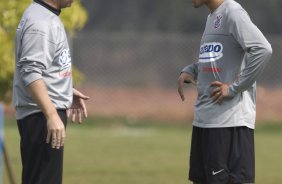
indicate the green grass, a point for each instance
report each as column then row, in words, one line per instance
column 122, row 151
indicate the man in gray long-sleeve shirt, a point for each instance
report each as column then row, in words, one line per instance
column 233, row 53
column 43, row 92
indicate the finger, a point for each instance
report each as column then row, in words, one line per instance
column 54, row 139
column 79, row 116
column 48, row 137
column 180, row 89
column 180, row 92
column 63, row 138
column 73, row 115
column 193, row 82
column 215, row 91
column 220, row 99
column 216, row 96
column 82, row 96
column 216, row 83
column 79, row 94
column 84, row 110
column 59, row 138
column 68, row 113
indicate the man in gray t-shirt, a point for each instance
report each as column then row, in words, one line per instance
column 233, row 53
column 43, row 91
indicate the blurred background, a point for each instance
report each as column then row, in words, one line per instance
column 127, row 56
column 131, row 53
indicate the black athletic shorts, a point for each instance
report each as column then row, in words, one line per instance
column 222, row 155
column 41, row 163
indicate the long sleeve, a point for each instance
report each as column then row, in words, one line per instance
column 258, row 50
column 37, row 52
column 191, row 69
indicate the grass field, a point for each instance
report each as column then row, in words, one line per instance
column 118, row 151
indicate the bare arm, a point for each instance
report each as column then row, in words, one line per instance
column 55, row 126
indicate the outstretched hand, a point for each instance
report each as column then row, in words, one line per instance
column 184, row 78
column 78, row 109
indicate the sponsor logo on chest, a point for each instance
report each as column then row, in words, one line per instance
column 65, row 59
column 210, row 52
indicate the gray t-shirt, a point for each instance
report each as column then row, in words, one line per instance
column 232, row 51
column 42, row 52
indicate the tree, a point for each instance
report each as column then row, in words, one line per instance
column 10, row 14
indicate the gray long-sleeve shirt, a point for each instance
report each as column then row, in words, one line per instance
column 42, row 52
column 232, row 51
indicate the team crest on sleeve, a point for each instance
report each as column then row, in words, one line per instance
column 65, row 59
column 218, row 21
column 21, row 24
column 210, row 52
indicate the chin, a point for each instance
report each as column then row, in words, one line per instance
column 196, row 5
column 69, row 3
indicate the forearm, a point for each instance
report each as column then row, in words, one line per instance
column 191, row 69
column 39, row 94
column 256, row 62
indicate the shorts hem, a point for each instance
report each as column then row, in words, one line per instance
column 242, row 181
column 196, row 180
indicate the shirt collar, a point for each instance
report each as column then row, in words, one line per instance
column 54, row 10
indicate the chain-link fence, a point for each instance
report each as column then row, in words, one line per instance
column 147, row 62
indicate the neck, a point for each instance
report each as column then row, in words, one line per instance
column 52, row 3
column 49, row 6
column 214, row 4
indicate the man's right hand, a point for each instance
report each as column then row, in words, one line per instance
column 184, row 78
column 55, row 126
column 56, row 131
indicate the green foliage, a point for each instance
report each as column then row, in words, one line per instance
column 6, row 66
column 77, row 76
column 74, row 18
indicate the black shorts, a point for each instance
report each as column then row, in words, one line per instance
column 41, row 163
column 222, row 155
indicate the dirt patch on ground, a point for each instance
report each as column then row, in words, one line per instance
column 165, row 104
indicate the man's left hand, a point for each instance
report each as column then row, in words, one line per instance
column 220, row 91
column 78, row 109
